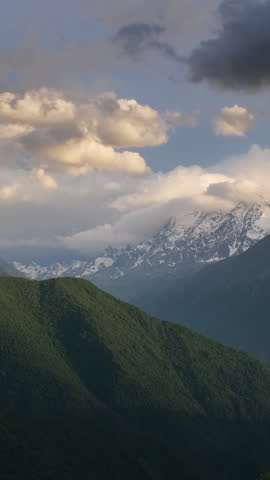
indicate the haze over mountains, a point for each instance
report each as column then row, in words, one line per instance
column 177, row 249
column 91, row 386
column 135, row 181
column 7, row 269
column 180, row 275
column 228, row 300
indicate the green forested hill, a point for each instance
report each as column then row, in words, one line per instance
column 91, row 387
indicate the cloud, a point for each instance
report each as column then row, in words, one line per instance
column 87, row 213
column 47, row 182
column 233, row 121
column 36, row 108
column 35, row 213
column 253, row 166
column 133, row 39
column 161, row 188
column 77, row 156
column 177, row 119
column 13, row 130
column 26, row 186
column 237, row 57
column 124, row 123
column 52, row 132
column 100, row 237
column 235, row 191
column 150, row 202
column 129, row 228
column 182, row 20
column 66, row 43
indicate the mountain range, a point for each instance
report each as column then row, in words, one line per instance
column 95, row 388
column 227, row 300
column 175, row 250
column 198, row 272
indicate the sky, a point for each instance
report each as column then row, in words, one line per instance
column 117, row 114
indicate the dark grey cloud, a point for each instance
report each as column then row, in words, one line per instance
column 238, row 57
column 135, row 38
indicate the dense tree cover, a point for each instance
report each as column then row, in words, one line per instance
column 91, row 387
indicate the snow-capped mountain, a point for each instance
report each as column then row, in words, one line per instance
column 200, row 237
column 76, row 268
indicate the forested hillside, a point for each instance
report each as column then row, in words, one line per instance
column 92, row 387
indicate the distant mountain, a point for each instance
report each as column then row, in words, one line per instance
column 95, row 388
column 199, row 239
column 228, row 300
column 9, row 269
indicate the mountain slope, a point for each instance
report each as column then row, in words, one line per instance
column 123, row 394
column 228, row 301
column 199, row 238
column 9, row 269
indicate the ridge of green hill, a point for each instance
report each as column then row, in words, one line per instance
column 92, row 386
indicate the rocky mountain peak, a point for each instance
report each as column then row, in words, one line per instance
column 199, row 237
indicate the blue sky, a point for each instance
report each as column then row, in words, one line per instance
column 65, row 177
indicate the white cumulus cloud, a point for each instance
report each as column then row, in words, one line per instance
column 182, row 182
column 26, row 186
column 53, row 132
column 36, row 108
column 126, row 123
column 144, row 205
column 233, row 121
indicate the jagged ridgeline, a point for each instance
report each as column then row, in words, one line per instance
column 197, row 237
column 193, row 240
column 95, row 388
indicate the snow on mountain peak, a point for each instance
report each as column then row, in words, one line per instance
column 199, row 237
